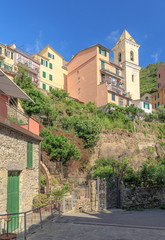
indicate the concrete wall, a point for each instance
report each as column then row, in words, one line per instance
column 13, row 155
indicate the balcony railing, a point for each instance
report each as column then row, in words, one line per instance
column 116, row 75
column 10, row 114
column 113, row 82
column 29, row 67
column 118, row 90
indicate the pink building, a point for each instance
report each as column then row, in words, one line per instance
column 92, row 77
column 29, row 63
column 161, row 77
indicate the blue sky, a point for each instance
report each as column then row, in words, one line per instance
column 72, row 25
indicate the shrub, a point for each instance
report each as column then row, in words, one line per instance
column 58, row 147
column 40, row 200
column 42, row 180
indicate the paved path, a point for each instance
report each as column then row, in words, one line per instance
column 145, row 225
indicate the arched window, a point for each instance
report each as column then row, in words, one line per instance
column 119, row 57
column 131, row 56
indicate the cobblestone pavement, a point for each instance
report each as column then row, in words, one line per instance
column 87, row 226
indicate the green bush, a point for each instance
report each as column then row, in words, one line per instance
column 42, row 180
column 58, row 147
column 40, row 200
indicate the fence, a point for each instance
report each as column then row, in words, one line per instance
column 24, row 223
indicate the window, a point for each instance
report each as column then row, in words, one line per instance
column 8, row 54
column 44, row 74
column 121, row 102
column 0, row 64
column 7, row 67
column 159, row 85
column 119, row 57
column 50, row 55
column 44, row 63
column 158, row 95
column 44, row 86
column 50, row 88
column 29, row 155
column 102, row 65
column 159, row 75
column 0, row 50
column 30, row 63
column 79, row 90
column 144, row 105
column 132, row 78
column 131, row 56
column 78, row 79
column 155, row 105
column 50, row 77
column 117, row 71
column 127, row 102
column 100, row 50
column 102, row 77
column 11, row 55
column 50, row 65
column 19, row 58
column 146, row 98
column 105, row 53
column 148, row 106
column 158, row 104
column 113, row 97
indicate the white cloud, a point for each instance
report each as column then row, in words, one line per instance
column 156, row 56
column 38, row 43
column 113, row 37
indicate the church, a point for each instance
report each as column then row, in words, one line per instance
column 92, row 77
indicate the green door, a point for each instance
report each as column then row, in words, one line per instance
column 13, row 199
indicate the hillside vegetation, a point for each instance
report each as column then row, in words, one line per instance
column 71, row 129
column 148, row 78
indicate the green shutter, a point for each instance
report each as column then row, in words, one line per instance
column 0, row 64
column 13, row 199
column 50, row 65
column 100, row 50
column 50, row 88
column 42, row 61
column 46, row 63
column 44, row 86
column 105, row 53
column 48, row 54
column 144, row 105
column 11, row 55
column 158, row 95
column 44, row 74
column 53, row 56
column 29, row 155
column 102, row 64
column 148, row 106
column 50, row 77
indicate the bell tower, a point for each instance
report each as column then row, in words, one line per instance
column 126, row 54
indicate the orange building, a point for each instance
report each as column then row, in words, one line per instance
column 92, row 77
column 158, row 98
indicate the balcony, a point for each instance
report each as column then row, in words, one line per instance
column 118, row 90
column 106, row 71
column 2, row 56
column 11, row 115
column 29, row 67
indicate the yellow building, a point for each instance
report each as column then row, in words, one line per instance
column 126, row 54
column 7, row 60
column 53, row 69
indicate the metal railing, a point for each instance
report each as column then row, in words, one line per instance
column 25, row 223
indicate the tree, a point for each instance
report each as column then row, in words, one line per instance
column 161, row 114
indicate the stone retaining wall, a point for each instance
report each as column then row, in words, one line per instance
column 143, row 197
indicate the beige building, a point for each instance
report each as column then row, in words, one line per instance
column 126, row 53
column 7, row 60
column 53, row 69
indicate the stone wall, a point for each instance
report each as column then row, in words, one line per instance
column 13, row 157
column 143, row 197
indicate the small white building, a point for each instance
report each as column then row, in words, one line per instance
column 144, row 105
